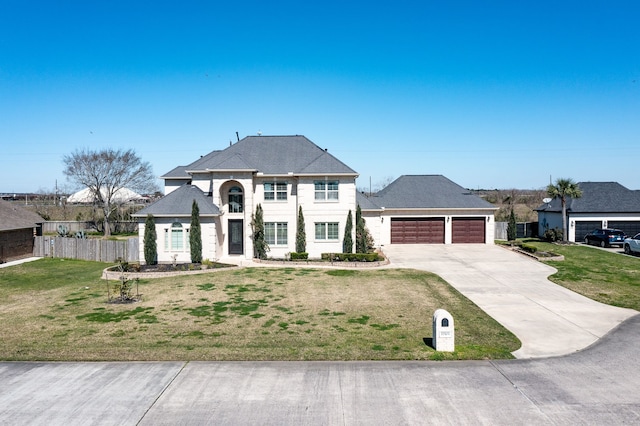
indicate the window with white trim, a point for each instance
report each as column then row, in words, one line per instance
column 327, row 231
column 275, row 191
column 276, row 233
column 326, row 190
column 174, row 237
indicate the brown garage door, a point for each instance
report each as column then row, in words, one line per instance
column 417, row 230
column 468, row 230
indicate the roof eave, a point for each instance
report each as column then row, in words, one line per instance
column 223, row 171
column 326, row 174
column 455, row 209
column 177, row 215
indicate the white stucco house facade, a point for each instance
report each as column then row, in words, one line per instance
column 285, row 173
column 281, row 173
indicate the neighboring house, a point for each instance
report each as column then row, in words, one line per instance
column 18, row 226
column 602, row 205
column 284, row 173
column 428, row 209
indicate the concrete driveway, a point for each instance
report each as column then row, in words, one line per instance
column 549, row 319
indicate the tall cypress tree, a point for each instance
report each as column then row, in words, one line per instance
column 512, row 231
column 301, row 235
column 361, row 232
column 150, row 244
column 260, row 246
column 347, row 242
column 195, row 234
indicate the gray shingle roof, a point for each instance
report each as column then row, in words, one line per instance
column 428, row 192
column 366, row 203
column 179, row 172
column 178, row 203
column 599, row 197
column 13, row 217
column 273, row 155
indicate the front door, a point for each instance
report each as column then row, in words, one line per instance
column 235, row 236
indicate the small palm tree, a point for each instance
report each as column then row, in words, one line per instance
column 564, row 188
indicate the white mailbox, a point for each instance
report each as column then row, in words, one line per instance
column 443, row 332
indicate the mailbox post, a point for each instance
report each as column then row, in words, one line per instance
column 443, row 331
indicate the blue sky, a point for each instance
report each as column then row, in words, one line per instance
column 495, row 94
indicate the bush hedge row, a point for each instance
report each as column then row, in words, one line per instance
column 351, row 257
column 298, row 256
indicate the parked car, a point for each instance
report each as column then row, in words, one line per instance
column 632, row 244
column 605, row 237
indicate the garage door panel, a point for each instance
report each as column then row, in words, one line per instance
column 417, row 230
column 583, row 227
column 629, row 227
column 468, row 230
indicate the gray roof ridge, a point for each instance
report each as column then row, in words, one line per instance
column 324, row 153
column 235, row 156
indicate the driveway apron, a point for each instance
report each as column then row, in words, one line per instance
column 514, row 289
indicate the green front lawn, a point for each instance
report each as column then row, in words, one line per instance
column 55, row 309
column 610, row 278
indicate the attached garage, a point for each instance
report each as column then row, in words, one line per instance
column 417, row 230
column 583, row 227
column 468, row 230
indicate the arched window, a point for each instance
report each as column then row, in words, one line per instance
column 235, row 200
column 445, row 322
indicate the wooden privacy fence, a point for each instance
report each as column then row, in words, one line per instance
column 523, row 230
column 73, row 226
column 87, row 249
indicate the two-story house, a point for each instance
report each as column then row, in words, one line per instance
column 281, row 173
column 285, row 173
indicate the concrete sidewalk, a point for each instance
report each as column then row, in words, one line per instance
column 549, row 319
column 18, row 262
column 592, row 387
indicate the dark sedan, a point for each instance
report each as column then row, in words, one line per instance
column 605, row 237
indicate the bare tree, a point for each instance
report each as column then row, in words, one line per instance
column 106, row 172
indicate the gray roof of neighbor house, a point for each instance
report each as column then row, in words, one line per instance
column 178, row 203
column 13, row 217
column 598, row 197
column 273, row 155
column 428, row 192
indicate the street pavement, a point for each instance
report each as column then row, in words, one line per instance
column 597, row 383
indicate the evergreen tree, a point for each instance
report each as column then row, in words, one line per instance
column 260, row 246
column 347, row 242
column 195, row 234
column 301, row 235
column 511, row 227
column 150, row 244
column 361, row 232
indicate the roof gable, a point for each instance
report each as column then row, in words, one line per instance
column 178, row 203
column 428, row 192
